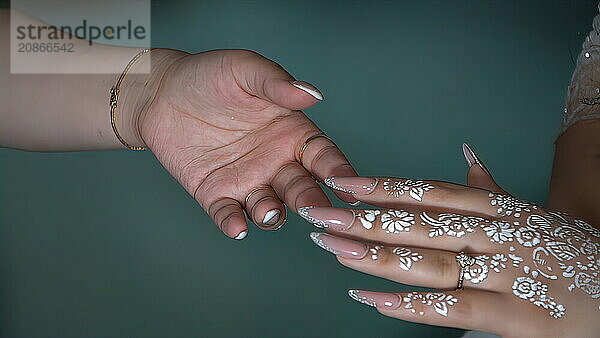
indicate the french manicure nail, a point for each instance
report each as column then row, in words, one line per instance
column 376, row 299
column 340, row 246
column 472, row 159
column 332, row 218
column 241, row 235
column 271, row 217
column 352, row 185
column 307, row 87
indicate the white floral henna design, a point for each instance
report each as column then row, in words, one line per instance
column 527, row 236
column 354, row 294
column 450, row 224
column 536, row 292
column 478, row 271
column 374, row 251
column 395, row 221
column 560, row 246
column 440, row 302
column 557, row 238
column 510, row 206
column 497, row 262
column 516, row 260
column 367, row 217
column 407, row 257
column 575, row 251
column 499, row 232
column 481, row 265
column 416, row 189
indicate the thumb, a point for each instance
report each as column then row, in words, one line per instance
column 478, row 175
column 266, row 79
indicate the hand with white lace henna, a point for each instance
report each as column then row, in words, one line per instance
column 525, row 271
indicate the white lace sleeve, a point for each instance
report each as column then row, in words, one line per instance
column 583, row 95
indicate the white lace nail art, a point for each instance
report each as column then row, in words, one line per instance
column 304, row 212
column 354, row 294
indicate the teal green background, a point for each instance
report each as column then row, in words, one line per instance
column 106, row 244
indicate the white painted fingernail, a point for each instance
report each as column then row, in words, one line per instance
column 241, row 235
column 472, row 159
column 307, row 87
column 271, row 217
column 469, row 155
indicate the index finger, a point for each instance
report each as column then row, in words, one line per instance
column 322, row 158
column 432, row 195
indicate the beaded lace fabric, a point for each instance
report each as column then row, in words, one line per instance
column 583, row 96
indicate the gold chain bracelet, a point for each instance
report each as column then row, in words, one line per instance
column 114, row 98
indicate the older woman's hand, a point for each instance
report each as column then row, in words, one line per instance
column 227, row 125
column 526, row 271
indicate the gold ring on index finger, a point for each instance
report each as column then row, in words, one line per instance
column 307, row 142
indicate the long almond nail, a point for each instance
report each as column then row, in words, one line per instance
column 307, row 87
column 340, row 246
column 352, row 185
column 472, row 159
column 376, row 299
column 332, row 218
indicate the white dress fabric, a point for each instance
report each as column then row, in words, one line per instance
column 583, row 94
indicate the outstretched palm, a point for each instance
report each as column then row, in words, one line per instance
column 227, row 122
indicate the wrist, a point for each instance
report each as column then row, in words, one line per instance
column 138, row 89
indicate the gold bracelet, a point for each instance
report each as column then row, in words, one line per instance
column 114, row 97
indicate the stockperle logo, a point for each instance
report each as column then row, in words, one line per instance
column 84, row 31
column 73, row 36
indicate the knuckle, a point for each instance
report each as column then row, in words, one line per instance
column 292, row 183
column 385, row 257
column 379, row 256
column 243, row 54
column 222, row 209
column 221, row 212
column 465, row 310
column 284, row 170
column 343, row 169
column 263, row 202
column 215, row 206
column 299, row 197
column 328, row 152
column 447, row 268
